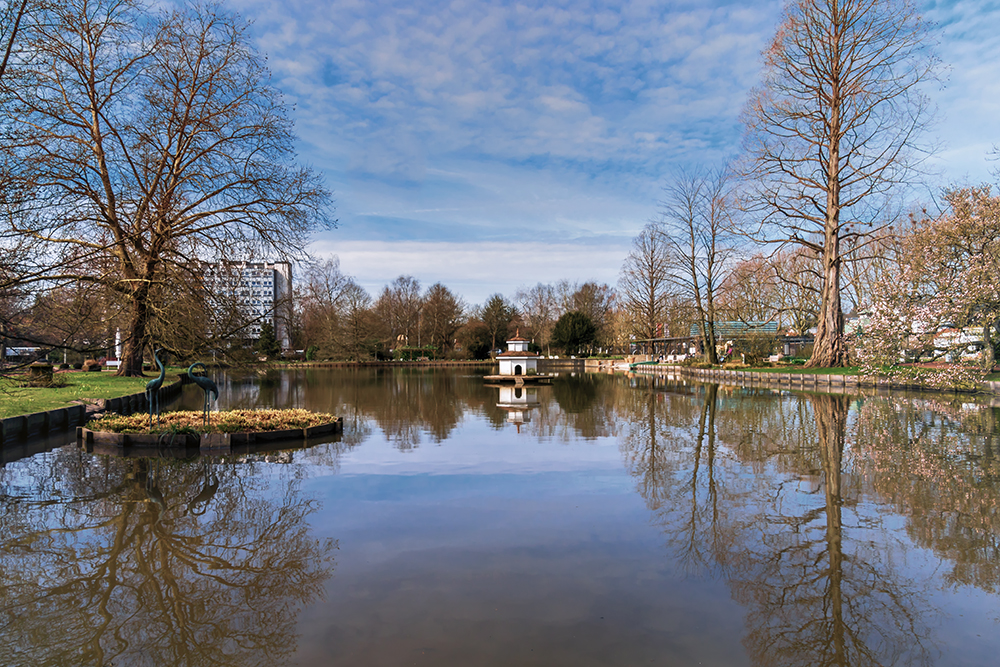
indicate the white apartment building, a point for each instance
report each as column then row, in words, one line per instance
column 263, row 291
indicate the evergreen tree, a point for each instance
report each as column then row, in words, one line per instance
column 573, row 331
column 267, row 344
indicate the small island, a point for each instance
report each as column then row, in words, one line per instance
column 183, row 433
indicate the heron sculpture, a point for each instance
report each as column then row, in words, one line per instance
column 207, row 386
column 153, row 390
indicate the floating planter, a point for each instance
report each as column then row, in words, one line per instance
column 233, row 432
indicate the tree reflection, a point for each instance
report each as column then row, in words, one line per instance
column 777, row 517
column 817, row 597
column 152, row 562
column 938, row 464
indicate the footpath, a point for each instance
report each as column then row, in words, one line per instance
column 838, row 384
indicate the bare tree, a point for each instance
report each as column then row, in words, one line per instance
column 398, row 311
column 497, row 314
column 695, row 221
column 832, row 131
column 442, row 317
column 10, row 23
column 321, row 304
column 539, row 309
column 149, row 142
column 644, row 285
column 596, row 301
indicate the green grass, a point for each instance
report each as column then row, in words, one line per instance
column 16, row 400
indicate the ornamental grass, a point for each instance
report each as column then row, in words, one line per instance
column 230, row 421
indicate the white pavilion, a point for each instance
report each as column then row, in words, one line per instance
column 517, row 360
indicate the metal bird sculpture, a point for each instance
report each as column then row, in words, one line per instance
column 153, row 390
column 207, row 386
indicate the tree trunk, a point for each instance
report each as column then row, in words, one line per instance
column 829, row 348
column 135, row 339
column 713, row 356
column 989, row 356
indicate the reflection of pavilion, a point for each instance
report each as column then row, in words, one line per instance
column 518, row 402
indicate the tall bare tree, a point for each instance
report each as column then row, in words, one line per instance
column 644, row 285
column 832, row 131
column 695, row 222
column 150, row 141
column 442, row 317
column 539, row 309
column 398, row 311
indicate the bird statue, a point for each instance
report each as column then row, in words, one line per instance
column 153, row 390
column 207, row 386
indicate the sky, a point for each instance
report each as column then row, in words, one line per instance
column 494, row 145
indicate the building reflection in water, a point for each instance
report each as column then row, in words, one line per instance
column 109, row 561
column 517, row 402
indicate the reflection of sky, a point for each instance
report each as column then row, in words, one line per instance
column 449, row 127
column 497, row 547
column 498, row 568
column 476, row 448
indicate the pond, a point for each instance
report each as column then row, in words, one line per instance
column 602, row 520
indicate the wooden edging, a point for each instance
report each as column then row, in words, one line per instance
column 23, row 427
column 815, row 382
column 205, row 444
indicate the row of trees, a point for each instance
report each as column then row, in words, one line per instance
column 336, row 318
column 811, row 221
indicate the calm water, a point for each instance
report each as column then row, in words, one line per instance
column 599, row 521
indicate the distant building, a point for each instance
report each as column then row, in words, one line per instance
column 262, row 290
column 724, row 330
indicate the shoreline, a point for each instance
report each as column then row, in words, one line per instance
column 825, row 383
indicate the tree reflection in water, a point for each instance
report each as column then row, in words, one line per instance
column 938, row 464
column 411, row 405
column 152, row 562
column 808, row 562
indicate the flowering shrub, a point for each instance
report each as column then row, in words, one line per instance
column 231, row 421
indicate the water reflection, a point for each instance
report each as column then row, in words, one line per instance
column 152, row 562
column 772, row 506
column 938, row 464
column 832, row 529
column 411, row 406
column 518, row 403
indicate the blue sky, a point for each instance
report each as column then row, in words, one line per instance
column 454, row 133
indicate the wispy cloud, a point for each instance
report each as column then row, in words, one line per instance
column 472, row 121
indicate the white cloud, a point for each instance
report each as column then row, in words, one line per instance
column 474, row 270
column 462, row 120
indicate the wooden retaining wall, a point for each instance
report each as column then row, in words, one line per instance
column 183, row 445
column 801, row 381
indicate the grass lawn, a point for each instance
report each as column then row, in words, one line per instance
column 15, row 400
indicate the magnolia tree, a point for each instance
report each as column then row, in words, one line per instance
column 943, row 301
